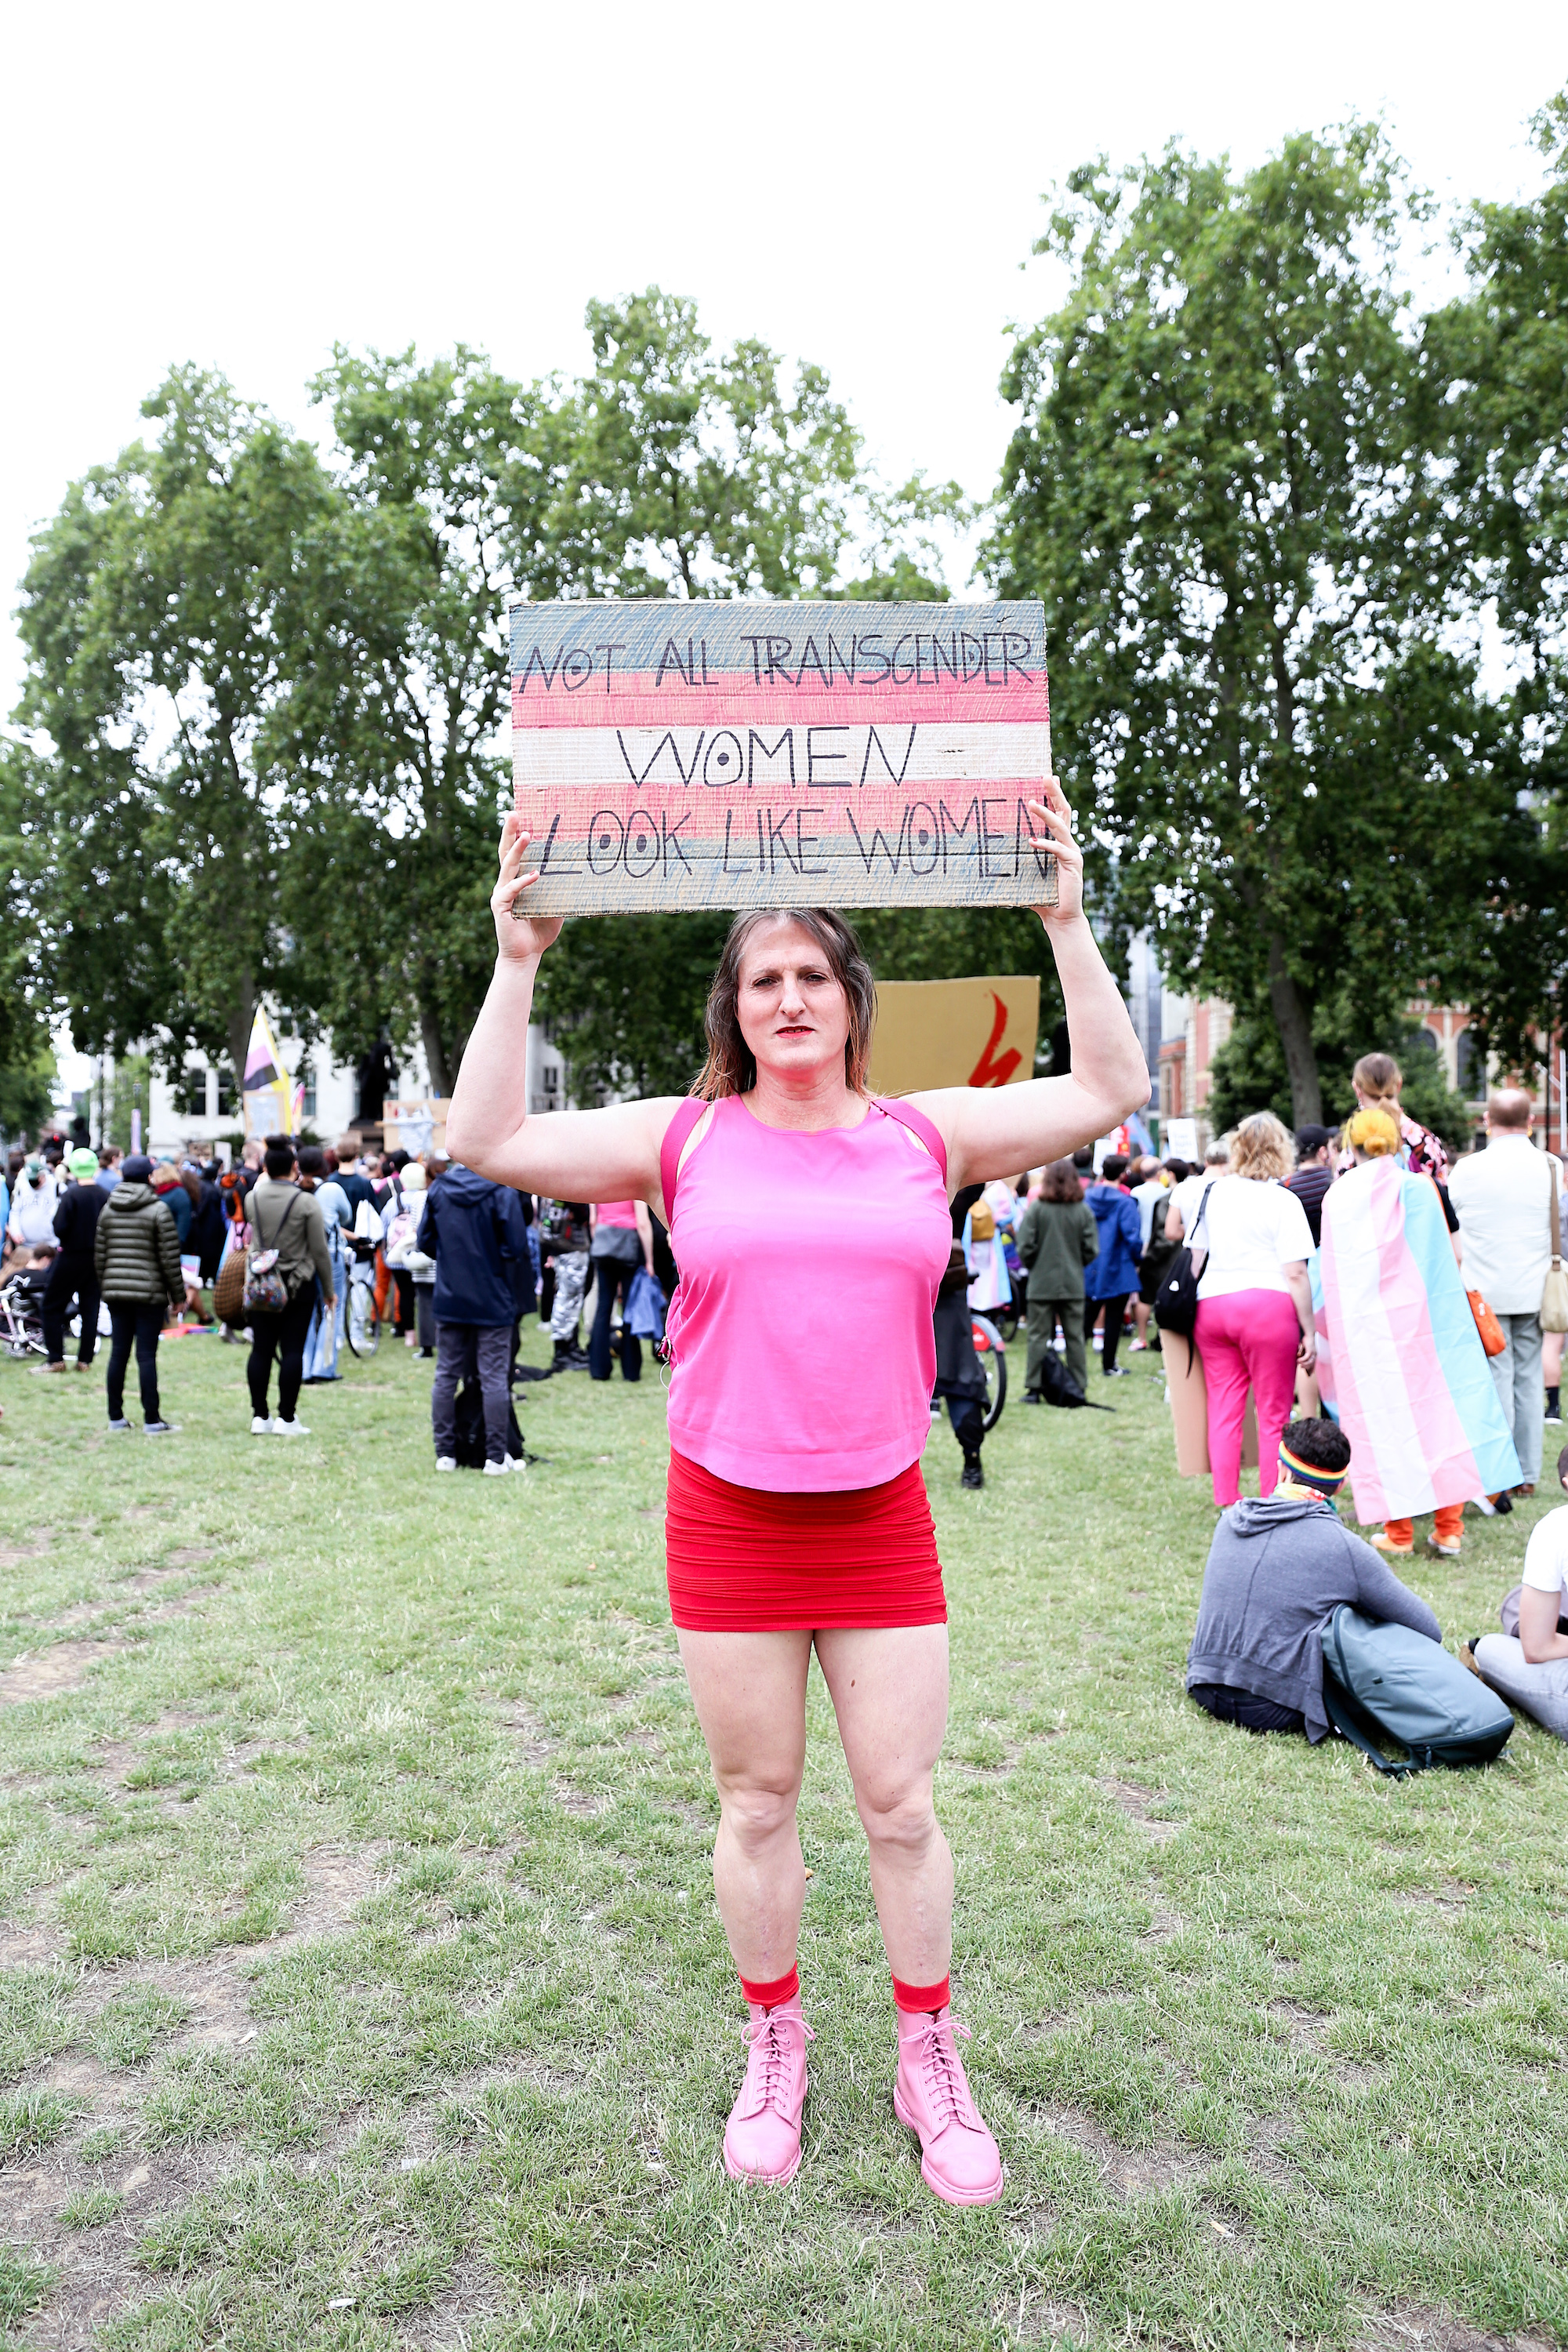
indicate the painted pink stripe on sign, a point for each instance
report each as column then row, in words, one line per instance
column 639, row 703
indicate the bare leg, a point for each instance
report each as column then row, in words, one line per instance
column 890, row 1692
column 749, row 1690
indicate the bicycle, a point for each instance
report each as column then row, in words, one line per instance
column 991, row 1354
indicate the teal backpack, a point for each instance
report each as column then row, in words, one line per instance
column 1386, row 1681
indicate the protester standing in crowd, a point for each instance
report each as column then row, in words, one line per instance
column 350, row 1174
column 136, row 1257
column 566, row 1246
column 206, row 1238
column 282, row 1217
column 1111, row 1274
column 1277, row 1568
column 801, row 1210
column 401, row 1208
column 960, row 1381
column 1502, row 1197
column 108, row 1158
column 473, row 1230
column 1255, row 1302
column 622, row 1241
column 1312, row 1175
column 1403, row 1365
column 1147, row 1186
column 35, row 1196
column 1378, row 1081
column 319, row 1179
column 74, row 1275
column 1057, row 1237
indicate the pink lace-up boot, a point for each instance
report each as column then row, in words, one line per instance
column 960, row 2161
column 761, row 2139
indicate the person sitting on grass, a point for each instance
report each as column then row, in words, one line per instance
column 1276, row 1570
column 1528, row 1667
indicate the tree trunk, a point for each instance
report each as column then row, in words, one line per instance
column 435, row 1060
column 1294, row 1024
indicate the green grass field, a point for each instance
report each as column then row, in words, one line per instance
column 361, row 1983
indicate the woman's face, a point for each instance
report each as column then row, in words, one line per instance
column 793, row 1013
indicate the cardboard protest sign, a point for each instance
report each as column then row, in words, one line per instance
column 738, row 755
column 953, row 1033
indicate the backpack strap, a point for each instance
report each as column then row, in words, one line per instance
column 919, row 1125
column 677, row 1135
column 282, row 1222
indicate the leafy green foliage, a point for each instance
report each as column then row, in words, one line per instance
column 1224, row 460
column 155, row 615
column 1249, row 1071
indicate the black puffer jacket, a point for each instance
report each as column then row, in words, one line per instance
column 136, row 1249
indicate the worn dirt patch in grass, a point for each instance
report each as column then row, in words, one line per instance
column 44, row 1672
column 1137, row 1802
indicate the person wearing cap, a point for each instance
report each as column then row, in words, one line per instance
column 1277, row 1570
column 136, row 1256
column 73, row 1276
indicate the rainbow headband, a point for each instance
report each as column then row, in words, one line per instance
column 1326, row 1482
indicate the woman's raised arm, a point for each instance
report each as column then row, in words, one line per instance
column 567, row 1155
column 994, row 1131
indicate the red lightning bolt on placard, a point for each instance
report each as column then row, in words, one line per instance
column 989, row 1073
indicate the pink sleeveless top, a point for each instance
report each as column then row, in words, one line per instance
column 801, row 1334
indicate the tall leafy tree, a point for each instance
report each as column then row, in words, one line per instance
column 1215, row 484
column 398, row 690
column 154, row 615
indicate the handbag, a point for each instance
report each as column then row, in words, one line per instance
column 266, row 1292
column 1176, row 1300
column 1487, row 1324
column 1554, row 1293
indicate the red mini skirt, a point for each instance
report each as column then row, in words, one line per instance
column 742, row 1562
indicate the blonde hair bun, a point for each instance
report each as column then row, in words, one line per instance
column 1373, row 1133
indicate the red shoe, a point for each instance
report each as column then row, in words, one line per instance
column 960, row 2161
column 761, row 2139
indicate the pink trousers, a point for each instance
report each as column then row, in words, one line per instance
column 1247, row 1338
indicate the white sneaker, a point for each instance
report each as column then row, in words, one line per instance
column 260, row 1424
column 496, row 1469
column 290, row 1429
column 445, row 1462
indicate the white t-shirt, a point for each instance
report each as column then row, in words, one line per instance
column 1546, row 1553
column 1253, row 1230
column 1185, row 1196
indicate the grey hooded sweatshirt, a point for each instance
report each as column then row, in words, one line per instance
column 1276, row 1570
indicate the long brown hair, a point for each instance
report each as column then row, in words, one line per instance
column 731, row 1067
column 1061, row 1182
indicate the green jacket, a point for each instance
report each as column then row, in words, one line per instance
column 298, row 1235
column 136, row 1249
column 1056, row 1240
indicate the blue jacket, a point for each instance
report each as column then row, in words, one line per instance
column 474, row 1231
column 1114, row 1273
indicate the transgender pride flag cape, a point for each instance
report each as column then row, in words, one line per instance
column 1400, row 1360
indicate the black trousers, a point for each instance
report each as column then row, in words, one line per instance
column 134, row 1321
column 71, row 1277
column 1227, row 1705
column 283, row 1336
column 1115, row 1309
column 613, row 1275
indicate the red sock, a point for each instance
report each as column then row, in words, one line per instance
column 769, row 1996
column 915, row 1997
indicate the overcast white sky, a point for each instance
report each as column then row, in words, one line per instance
column 858, row 182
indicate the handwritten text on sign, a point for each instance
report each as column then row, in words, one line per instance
column 776, row 755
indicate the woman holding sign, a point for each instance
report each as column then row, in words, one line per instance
column 797, row 1515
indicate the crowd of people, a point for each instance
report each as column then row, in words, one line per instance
column 449, row 1261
